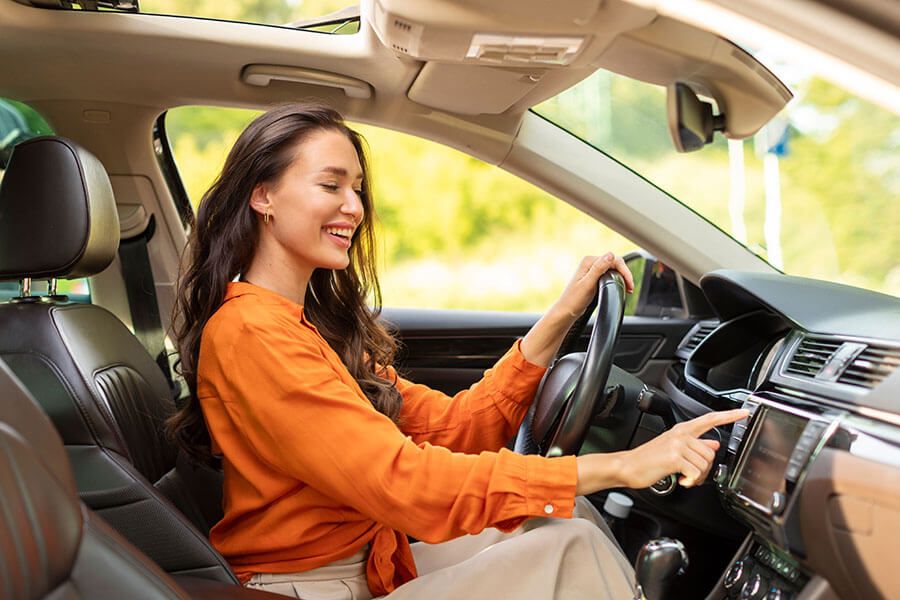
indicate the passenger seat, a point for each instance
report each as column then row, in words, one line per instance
column 51, row 545
column 100, row 387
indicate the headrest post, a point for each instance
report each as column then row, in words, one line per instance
column 51, row 286
column 25, row 287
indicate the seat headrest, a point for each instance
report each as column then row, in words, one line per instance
column 20, row 412
column 57, row 212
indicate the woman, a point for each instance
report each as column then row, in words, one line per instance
column 330, row 459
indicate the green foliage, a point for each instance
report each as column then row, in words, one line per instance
column 840, row 180
column 273, row 12
column 37, row 125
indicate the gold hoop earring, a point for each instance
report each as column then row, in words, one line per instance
column 266, row 218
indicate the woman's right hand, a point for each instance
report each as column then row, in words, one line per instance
column 678, row 450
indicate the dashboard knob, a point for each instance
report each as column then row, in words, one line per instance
column 754, row 588
column 665, row 486
column 721, row 474
column 736, row 576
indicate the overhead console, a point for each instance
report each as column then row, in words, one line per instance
column 490, row 57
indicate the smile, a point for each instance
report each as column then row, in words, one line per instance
column 339, row 235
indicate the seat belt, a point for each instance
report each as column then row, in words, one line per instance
column 142, row 300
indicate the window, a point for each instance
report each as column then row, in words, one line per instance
column 461, row 234
column 20, row 122
column 339, row 17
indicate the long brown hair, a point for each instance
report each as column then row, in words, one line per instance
column 221, row 245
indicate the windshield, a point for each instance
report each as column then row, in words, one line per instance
column 816, row 192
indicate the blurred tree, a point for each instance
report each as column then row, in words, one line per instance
column 272, row 12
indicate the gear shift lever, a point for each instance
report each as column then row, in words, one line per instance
column 658, row 563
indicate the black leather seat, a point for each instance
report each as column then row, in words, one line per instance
column 51, row 545
column 101, row 389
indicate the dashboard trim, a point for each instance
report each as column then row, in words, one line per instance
column 834, row 389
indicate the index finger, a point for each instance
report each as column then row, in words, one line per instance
column 620, row 266
column 701, row 425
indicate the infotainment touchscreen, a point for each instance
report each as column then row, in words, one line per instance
column 763, row 469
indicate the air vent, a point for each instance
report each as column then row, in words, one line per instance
column 697, row 335
column 811, row 355
column 871, row 366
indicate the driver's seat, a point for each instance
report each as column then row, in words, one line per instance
column 102, row 390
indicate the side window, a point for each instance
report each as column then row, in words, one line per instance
column 459, row 234
column 19, row 122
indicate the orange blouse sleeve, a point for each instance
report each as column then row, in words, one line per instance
column 483, row 417
column 302, row 416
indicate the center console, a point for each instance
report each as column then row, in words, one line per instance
column 768, row 459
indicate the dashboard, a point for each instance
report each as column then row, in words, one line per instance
column 814, row 472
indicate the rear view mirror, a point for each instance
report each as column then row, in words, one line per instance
column 691, row 121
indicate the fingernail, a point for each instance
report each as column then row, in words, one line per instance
column 608, row 256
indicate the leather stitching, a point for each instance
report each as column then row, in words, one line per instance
column 88, row 384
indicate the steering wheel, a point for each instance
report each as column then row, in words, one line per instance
column 572, row 390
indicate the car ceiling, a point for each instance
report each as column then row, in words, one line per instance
column 91, row 57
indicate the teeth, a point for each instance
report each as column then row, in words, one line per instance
column 343, row 232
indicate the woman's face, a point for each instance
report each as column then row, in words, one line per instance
column 315, row 207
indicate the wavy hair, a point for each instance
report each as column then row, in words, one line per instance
column 222, row 243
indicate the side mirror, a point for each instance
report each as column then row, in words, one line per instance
column 691, row 121
column 657, row 291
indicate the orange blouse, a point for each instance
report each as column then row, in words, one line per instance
column 313, row 472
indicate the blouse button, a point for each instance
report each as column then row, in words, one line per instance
column 548, row 509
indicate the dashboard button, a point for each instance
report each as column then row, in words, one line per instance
column 775, row 594
column 665, row 486
column 815, row 427
column 755, row 588
column 804, row 446
column 793, row 471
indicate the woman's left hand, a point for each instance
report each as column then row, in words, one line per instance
column 582, row 288
column 541, row 343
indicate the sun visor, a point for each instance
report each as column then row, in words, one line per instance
column 472, row 90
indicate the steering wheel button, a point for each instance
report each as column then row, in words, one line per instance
column 548, row 508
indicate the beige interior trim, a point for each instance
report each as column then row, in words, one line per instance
column 850, row 521
column 464, row 47
column 867, row 52
column 263, row 75
column 438, row 86
column 667, row 51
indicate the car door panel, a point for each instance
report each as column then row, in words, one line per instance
column 450, row 349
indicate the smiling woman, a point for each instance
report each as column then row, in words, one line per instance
column 326, row 474
column 312, row 211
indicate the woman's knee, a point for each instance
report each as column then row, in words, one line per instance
column 570, row 532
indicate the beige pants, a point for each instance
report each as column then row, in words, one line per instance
column 565, row 559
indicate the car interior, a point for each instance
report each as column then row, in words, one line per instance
column 96, row 501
